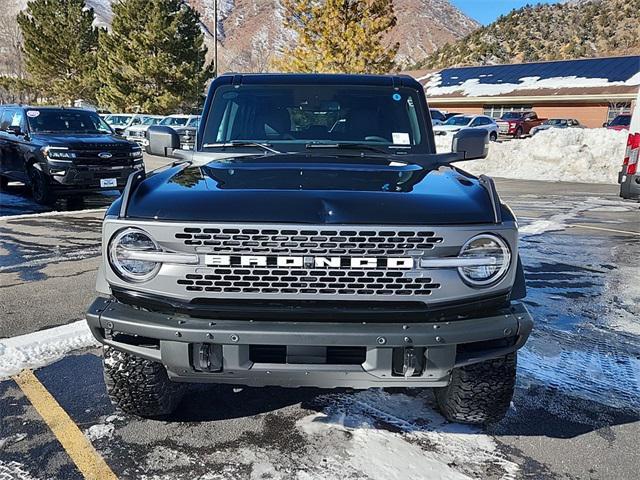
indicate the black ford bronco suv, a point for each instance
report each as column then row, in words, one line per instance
column 312, row 238
column 63, row 151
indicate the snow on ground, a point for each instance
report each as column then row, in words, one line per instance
column 40, row 348
column 13, row 471
column 376, row 435
column 99, row 431
column 562, row 155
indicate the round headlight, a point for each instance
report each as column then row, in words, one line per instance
column 492, row 257
column 121, row 248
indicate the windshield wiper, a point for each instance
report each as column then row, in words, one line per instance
column 349, row 146
column 242, row 143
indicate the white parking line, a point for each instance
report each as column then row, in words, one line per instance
column 626, row 232
column 66, row 213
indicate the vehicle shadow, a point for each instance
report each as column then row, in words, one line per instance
column 537, row 410
column 15, row 199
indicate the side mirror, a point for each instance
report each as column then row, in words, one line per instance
column 471, row 144
column 605, row 124
column 14, row 129
column 162, row 141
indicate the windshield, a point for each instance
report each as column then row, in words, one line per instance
column 66, row 121
column 174, row 121
column 459, row 121
column 512, row 115
column 294, row 116
column 151, row 120
column 621, row 121
column 119, row 120
column 194, row 122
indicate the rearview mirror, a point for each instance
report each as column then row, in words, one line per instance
column 471, row 144
column 162, row 141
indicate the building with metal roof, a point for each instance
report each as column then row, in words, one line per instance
column 592, row 90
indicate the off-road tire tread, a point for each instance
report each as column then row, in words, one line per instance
column 138, row 386
column 48, row 197
column 479, row 393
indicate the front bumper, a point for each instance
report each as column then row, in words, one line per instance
column 170, row 339
column 88, row 178
column 629, row 186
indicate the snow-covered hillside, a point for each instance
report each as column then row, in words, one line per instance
column 563, row 155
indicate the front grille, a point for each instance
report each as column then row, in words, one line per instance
column 87, row 154
column 369, row 242
column 292, row 282
column 309, row 280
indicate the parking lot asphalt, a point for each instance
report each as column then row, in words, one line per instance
column 575, row 415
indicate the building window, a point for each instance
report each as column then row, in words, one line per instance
column 496, row 111
column 618, row 108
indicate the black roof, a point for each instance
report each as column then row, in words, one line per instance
column 317, row 79
column 614, row 69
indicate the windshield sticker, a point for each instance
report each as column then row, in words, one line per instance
column 401, row 138
column 33, row 113
column 397, row 97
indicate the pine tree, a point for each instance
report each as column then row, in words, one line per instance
column 60, row 45
column 153, row 58
column 339, row 36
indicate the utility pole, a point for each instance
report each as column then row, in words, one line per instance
column 215, row 38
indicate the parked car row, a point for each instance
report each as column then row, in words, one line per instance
column 134, row 126
column 512, row 124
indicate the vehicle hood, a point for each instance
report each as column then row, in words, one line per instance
column 79, row 140
column 618, row 127
column 137, row 128
column 310, row 190
column 448, row 128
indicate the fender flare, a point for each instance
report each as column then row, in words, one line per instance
column 519, row 289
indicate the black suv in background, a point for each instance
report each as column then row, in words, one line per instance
column 63, row 151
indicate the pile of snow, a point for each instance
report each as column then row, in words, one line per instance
column 562, row 155
column 40, row 348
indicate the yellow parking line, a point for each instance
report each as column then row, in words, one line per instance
column 627, row 232
column 87, row 459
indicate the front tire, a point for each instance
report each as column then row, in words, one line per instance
column 493, row 136
column 138, row 386
column 40, row 187
column 519, row 132
column 480, row 393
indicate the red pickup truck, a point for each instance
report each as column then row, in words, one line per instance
column 517, row 124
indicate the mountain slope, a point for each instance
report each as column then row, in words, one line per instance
column 250, row 32
column 578, row 29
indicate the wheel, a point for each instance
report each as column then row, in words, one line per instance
column 138, row 386
column 493, row 136
column 518, row 132
column 40, row 188
column 480, row 393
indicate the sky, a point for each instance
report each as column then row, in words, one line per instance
column 486, row 11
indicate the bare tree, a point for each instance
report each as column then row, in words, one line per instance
column 11, row 57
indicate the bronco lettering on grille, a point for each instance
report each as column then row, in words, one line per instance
column 402, row 263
